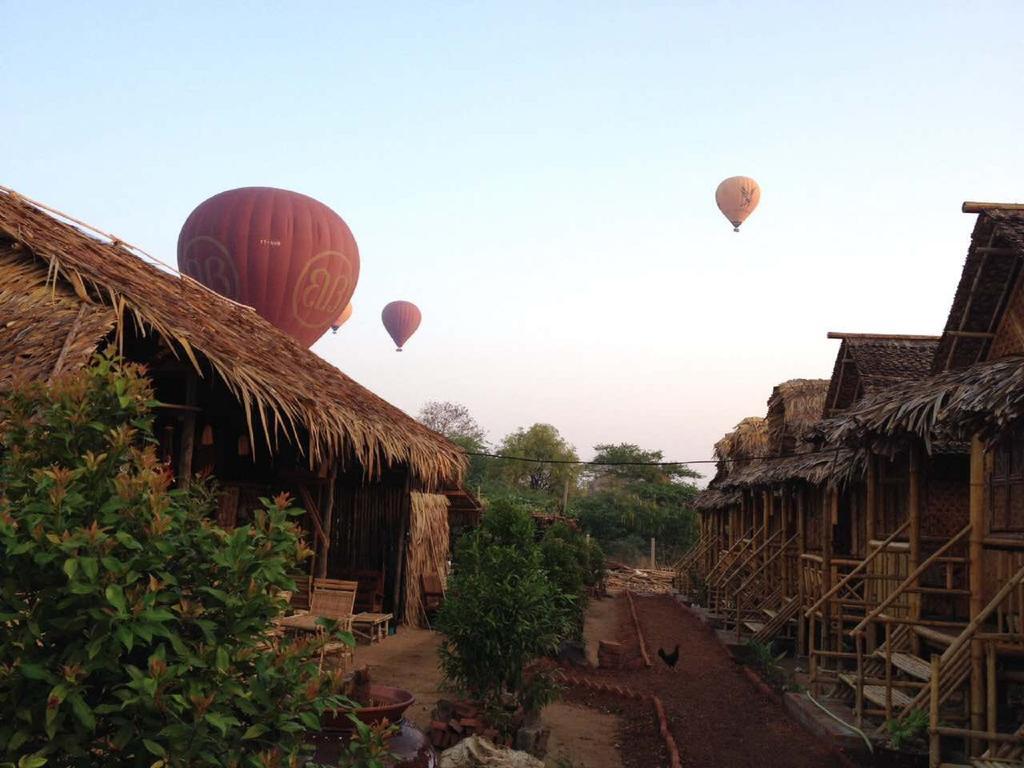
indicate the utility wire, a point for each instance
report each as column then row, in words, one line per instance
column 634, row 463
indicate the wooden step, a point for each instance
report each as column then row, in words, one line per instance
column 939, row 636
column 909, row 663
column 876, row 693
column 754, row 626
column 769, row 612
column 995, row 762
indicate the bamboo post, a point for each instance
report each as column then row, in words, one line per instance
column 652, row 554
column 188, row 433
column 858, row 706
column 327, row 521
column 888, row 670
column 870, row 515
column 934, row 739
column 914, row 513
column 801, row 628
column 991, row 705
column 975, row 552
column 832, row 504
column 766, row 513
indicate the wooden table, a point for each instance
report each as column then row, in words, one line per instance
column 373, row 626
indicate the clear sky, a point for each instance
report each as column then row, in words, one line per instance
column 539, row 177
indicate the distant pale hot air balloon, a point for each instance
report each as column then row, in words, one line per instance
column 737, row 197
column 286, row 255
column 342, row 318
column 401, row 319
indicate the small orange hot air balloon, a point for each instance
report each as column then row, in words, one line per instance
column 401, row 319
column 737, row 197
column 340, row 319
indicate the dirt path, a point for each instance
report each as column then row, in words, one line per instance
column 579, row 736
column 718, row 718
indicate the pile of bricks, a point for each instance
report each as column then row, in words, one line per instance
column 452, row 721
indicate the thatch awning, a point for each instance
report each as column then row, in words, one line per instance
column 816, row 468
column 711, row 499
column 948, row 408
column 285, row 390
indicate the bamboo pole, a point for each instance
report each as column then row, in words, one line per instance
column 832, row 500
column 977, row 578
column 914, row 504
column 934, row 739
column 870, row 517
column 327, row 521
column 188, row 433
column 801, row 533
column 991, row 706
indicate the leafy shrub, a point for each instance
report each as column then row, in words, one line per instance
column 134, row 627
column 573, row 564
column 501, row 612
column 908, row 731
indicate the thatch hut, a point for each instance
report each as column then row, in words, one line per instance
column 239, row 398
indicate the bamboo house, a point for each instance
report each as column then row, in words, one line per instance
column 239, row 400
column 909, row 496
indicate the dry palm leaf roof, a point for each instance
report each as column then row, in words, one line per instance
column 867, row 363
column 990, row 272
column 947, row 408
column 716, row 498
column 283, row 387
column 793, row 408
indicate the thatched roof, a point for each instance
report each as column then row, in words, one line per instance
column 714, row 498
column 990, row 273
column 747, row 442
column 867, row 363
column 285, row 390
column 793, row 408
column 815, row 467
column 940, row 410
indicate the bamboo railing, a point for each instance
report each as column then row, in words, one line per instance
column 982, row 649
column 745, row 594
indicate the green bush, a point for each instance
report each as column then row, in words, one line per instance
column 134, row 629
column 501, row 613
column 573, row 564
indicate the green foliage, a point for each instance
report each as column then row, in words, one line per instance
column 761, row 656
column 502, row 612
column 454, row 421
column 909, row 730
column 368, row 747
column 573, row 564
column 542, row 442
column 134, row 627
column 627, row 505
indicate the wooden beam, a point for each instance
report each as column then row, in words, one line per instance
column 72, row 332
column 971, row 334
column 914, row 514
column 188, row 433
column 328, row 516
column 970, row 206
column 975, row 554
column 881, row 336
column 314, row 514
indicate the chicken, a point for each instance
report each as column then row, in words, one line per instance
column 670, row 659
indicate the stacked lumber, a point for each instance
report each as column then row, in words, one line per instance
column 643, row 580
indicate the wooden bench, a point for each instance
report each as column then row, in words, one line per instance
column 374, row 627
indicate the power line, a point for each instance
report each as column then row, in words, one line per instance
column 634, row 463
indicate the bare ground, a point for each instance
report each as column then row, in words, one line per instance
column 579, row 736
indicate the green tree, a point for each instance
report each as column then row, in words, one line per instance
column 502, row 611
column 545, row 473
column 134, row 628
column 626, row 505
column 454, row 421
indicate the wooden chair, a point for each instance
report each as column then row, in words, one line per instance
column 331, row 599
column 432, row 591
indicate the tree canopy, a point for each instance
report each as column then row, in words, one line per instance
column 546, row 447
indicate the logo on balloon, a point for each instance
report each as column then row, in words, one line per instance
column 206, row 260
column 321, row 291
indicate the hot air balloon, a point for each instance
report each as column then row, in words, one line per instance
column 737, row 197
column 401, row 319
column 340, row 320
column 288, row 256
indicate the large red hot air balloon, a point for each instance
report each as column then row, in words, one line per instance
column 341, row 319
column 401, row 319
column 288, row 256
column 737, row 197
